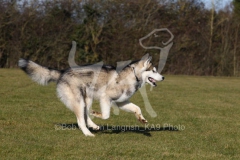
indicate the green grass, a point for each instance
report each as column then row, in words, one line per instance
column 204, row 109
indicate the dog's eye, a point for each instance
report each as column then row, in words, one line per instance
column 154, row 70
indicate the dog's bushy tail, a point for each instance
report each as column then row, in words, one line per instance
column 39, row 74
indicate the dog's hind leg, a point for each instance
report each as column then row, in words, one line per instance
column 130, row 107
column 74, row 99
column 90, row 123
column 80, row 112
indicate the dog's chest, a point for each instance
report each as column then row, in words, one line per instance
column 125, row 94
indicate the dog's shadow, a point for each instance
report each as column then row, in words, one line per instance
column 108, row 129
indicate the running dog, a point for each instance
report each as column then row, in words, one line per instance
column 78, row 87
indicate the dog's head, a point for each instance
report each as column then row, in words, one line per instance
column 151, row 76
column 144, row 69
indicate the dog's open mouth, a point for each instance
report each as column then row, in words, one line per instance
column 152, row 80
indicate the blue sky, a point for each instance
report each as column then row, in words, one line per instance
column 218, row 3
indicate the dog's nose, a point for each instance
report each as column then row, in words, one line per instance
column 162, row 78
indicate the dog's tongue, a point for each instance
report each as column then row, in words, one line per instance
column 153, row 80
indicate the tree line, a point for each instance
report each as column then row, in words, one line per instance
column 206, row 41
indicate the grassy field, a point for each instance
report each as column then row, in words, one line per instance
column 197, row 118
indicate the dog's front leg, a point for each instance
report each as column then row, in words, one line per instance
column 130, row 107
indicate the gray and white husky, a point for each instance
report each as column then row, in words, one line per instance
column 77, row 87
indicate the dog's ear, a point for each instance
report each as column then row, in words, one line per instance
column 147, row 62
column 145, row 57
column 149, row 65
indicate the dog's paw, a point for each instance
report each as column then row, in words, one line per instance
column 90, row 135
column 86, row 132
column 144, row 121
column 141, row 118
column 96, row 114
column 96, row 128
